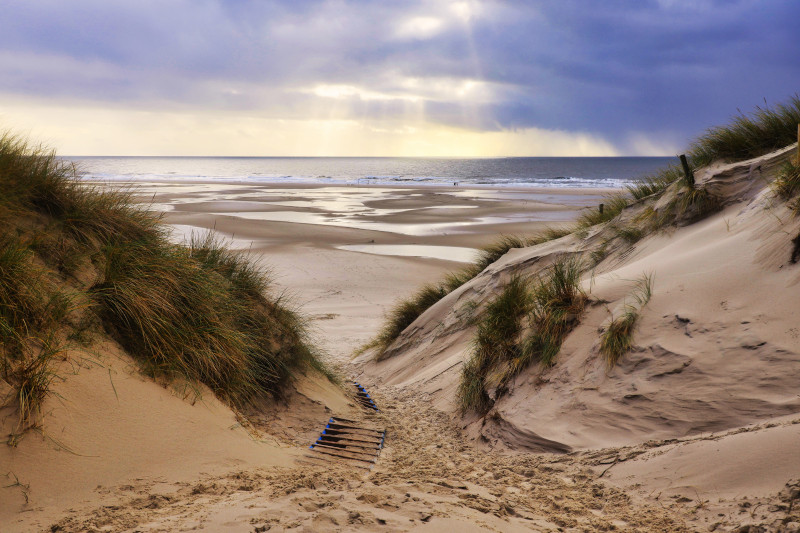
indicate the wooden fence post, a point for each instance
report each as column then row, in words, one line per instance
column 687, row 172
column 601, row 209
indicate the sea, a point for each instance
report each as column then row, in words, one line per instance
column 573, row 172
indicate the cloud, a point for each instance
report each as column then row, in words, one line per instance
column 617, row 71
column 419, row 28
column 74, row 126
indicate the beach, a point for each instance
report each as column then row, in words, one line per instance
column 345, row 254
column 579, row 446
column 433, row 267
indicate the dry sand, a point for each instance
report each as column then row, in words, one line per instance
column 716, row 360
column 167, row 465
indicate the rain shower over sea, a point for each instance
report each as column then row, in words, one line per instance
column 568, row 172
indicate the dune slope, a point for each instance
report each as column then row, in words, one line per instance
column 716, row 348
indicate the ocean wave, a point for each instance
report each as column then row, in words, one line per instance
column 550, row 182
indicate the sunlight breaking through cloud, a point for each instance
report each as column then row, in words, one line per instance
column 632, row 74
column 130, row 132
column 419, row 28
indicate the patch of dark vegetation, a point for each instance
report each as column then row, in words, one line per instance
column 405, row 311
column 764, row 130
column 526, row 323
column 613, row 206
column 617, row 338
column 787, row 183
column 75, row 259
column 497, row 342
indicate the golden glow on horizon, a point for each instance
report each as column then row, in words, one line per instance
column 87, row 130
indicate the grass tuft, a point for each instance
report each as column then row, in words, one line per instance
column 30, row 379
column 550, row 305
column 496, row 342
column 494, row 251
column 201, row 313
column 617, row 339
column 694, row 204
column 558, row 303
column 405, row 311
column 655, row 183
column 613, row 206
column 630, row 234
column 787, row 184
column 197, row 312
column 747, row 136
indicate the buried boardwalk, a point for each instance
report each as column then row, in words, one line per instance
column 427, row 477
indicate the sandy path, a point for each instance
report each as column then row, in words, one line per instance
column 427, row 478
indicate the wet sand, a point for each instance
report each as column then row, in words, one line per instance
column 345, row 253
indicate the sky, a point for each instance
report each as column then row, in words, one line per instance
column 453, row 78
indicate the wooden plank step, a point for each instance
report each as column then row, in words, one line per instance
column 336, row 425
column 337, row 440
column 366, row 402
column 349, row 442
column 364, row 398
column 369, row 437
column 354, row 453
column 354, row 438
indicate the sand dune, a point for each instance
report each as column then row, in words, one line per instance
column 694, row 428
column 716, row 349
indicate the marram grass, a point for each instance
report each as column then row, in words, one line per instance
column 406, row 310
column 787, row 183
column 762, row 131
column 612, row 206
column 617, row 338
column 496, row 341
column 198, row 312
column 526, row 323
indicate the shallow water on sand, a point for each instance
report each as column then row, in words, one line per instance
column 448, row 253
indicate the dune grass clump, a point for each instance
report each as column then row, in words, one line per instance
column 612, row 206
column 32, row 306
column 31, row 310
column 787, row 183
column 656, row 183
column 23, row 295
column 558, row 304
column 630, row 234
column 526, row 323
column 200, row 312
column 494, row 251
column 405, row 311
column 496, row 343
column 766, row 129
column 617, row 339
column 689, row 205
column 30, row 376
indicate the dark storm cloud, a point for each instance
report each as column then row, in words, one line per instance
column 614, row 68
